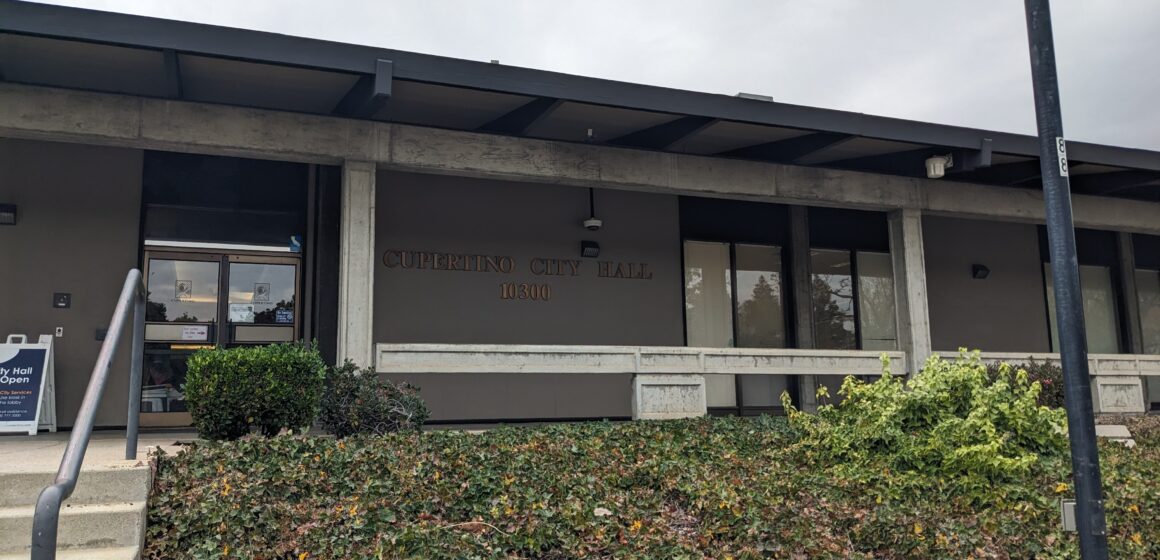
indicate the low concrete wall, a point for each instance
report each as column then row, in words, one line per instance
column 668, row 381
column 1117, row 379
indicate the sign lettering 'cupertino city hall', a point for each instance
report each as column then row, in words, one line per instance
column 505, row 264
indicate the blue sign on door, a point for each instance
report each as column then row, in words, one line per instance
column 283, row 316
column 20, row 380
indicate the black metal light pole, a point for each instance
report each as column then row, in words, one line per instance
column 1085, row 459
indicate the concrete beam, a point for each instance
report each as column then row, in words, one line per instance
column 356, row 273
column 102, row 118
column 910, row 302
column 63, row 115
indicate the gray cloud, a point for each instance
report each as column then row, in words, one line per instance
column 961, row 62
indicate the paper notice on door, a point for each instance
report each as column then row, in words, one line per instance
column 241, row 313
column 195, row 332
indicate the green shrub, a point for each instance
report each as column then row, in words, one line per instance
column 951, row 420
column 1049, row 376
column 711, row 488
column 230, row 390
column 357, row 402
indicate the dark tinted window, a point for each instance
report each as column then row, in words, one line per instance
column 190, row 197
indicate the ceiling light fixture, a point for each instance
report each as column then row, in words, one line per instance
column 592, row 223
column 936, row 166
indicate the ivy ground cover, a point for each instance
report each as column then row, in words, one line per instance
column 706, row 488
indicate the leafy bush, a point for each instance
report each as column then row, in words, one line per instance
column 230, row 390
column 357, row 402
column 745, row 488
column 952, row 419
column 1049, row 376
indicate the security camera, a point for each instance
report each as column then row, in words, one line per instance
column 593, row 223
column 936, row 166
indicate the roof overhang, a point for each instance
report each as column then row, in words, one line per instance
column 86, row 49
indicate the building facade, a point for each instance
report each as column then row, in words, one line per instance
column 435, row 219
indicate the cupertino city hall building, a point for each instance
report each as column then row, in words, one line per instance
column 526, row 245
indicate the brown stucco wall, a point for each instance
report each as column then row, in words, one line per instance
column 79, row 209
column 1007, row 311
column 523, row 221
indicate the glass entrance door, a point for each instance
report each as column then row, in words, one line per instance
column 200, row 300
column 261, row 304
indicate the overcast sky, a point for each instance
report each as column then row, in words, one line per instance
column 961, row 62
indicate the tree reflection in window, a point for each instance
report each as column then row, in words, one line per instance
column 760, row 314
column 198, row 305
column 832, row 295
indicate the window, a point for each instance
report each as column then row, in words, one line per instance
column 182, row 291
column 760, row 316
column 734, row 297
column 832, row 299
column 852, row 300
column 192, row 197
column 851, row 280
column 876, row 301
column 708, row 294
column 1148, row 295
column 262, row 293
column 1098, row 255
column 1101, row 318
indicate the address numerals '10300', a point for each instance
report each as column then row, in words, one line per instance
column 534, row 292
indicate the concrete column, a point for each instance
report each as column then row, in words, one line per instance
column 803, row 314
column 1127, row 254
column 357, row 264
column 910, row 286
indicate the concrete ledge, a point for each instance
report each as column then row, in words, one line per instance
column 668, row 381
column 1117, row 379
column 518, row 358
column 502, row 358
column 1098, row 364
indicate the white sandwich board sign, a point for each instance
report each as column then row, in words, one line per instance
column 27, row 385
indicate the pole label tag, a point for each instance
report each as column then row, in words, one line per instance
column 1061, row 151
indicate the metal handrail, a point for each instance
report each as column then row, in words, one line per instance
column 46, row 519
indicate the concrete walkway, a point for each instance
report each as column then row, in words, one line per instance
column 42, row 452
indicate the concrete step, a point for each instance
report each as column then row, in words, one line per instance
column 119, row 553
column 101, row 485
column 1116, row 432
column 85, row 526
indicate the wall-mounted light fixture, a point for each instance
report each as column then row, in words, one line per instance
column 589, row 249
column 980, row 272
column 7, row 214
column 936, row 166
